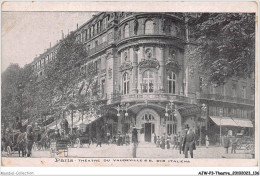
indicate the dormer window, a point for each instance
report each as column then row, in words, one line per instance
column 148, row 27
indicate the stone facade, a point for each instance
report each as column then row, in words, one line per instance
column 143, row 62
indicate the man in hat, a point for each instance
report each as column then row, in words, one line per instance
column 134, row 141
column 189, row 141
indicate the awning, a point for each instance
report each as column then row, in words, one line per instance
column 243, row 122
column 223, row 121
column 53, row 124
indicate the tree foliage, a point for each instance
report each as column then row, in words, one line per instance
column 225, row 44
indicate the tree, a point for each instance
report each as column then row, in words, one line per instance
column 225, row 44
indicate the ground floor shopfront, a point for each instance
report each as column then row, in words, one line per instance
column 149, row 119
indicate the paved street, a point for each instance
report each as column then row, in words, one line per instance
column 144, row 150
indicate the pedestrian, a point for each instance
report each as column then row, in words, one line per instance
column 168, row 141
column 233, row 144
column 108, row 138
column 29, row 140
column 226, row 143
column 154, row 138
column 134, row 141
column 163, row 142
column 207, row 141
column 182, row 144
column 99, row 140
column 189, row 142
column 158, row 141
column 178, row 140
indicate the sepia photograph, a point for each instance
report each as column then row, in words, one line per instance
column 79, row 86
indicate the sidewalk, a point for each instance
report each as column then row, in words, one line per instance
column 144, row 150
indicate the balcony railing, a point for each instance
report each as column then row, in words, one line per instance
column 97, row 48
column 230, row 99
column 116, row 97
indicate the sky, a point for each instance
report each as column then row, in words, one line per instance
column 27, row 34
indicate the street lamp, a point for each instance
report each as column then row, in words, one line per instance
column 169, row 107
column 203, row 108
column 122, row 107
column 221, row 116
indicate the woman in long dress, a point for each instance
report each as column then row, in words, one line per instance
column 207, row 141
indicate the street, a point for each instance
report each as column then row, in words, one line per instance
column 144, row 150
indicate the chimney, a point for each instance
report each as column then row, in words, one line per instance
column 77, row 25
column 68, row 31
column 62, row 34
column 50, row 44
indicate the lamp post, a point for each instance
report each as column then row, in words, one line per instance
column 122, row 108
column 203, row 108
column 220, row 133
column 169, row 107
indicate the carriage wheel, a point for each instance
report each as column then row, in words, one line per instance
column 78, row 143
column 9, row 151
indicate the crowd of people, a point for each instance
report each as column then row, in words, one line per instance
column 183, row 142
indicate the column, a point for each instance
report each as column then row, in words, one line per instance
column 161, row 69
column 134, row 78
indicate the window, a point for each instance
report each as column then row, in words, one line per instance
column 212, row 89
column 244, row 92
column 89, row 32
column 171, row 82
column 105, row 23
column 200, row 83
column 86, row 35
column 103, row 86
column 171, row 125
column 126, row 83
column 126, row 31
column 148, row 27
column 234, row 89
column 148, row 82
column 93, row 30
column 222, row 90
column 96, row 43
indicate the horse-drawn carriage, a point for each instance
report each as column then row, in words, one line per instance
column 15, row 142
column 82, row 139
column 57, row 146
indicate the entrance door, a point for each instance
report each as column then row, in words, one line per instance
column 148, row 132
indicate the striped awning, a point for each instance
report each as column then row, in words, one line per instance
column 228, row 121
column 243, row 122
column 223, row 121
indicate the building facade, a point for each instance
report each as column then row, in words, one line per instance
column 144, row 73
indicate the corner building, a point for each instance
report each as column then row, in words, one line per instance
column 141, row 62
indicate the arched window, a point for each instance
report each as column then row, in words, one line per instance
column 126, row 31
column 148, row 82
column 171, row 83
column 148, row 27
column 126, row 84
column 171, row 124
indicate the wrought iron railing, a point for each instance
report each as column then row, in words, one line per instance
column 97, row 48
column 226, row 98
column 150, row 96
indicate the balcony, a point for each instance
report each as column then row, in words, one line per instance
column 118, row 97
column 229, row 99
column 97, row 48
